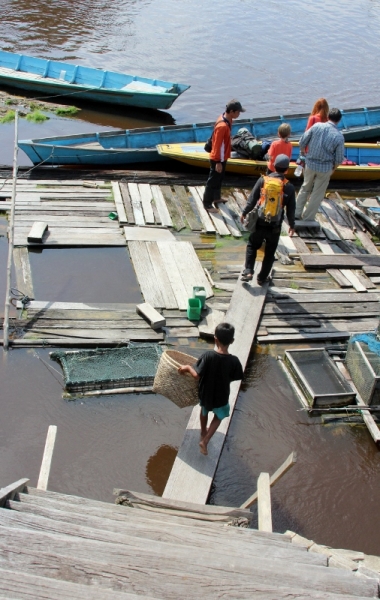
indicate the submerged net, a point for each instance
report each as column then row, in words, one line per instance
column 363, row 364
column 134, row 365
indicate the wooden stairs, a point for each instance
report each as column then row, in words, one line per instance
column 66, row 547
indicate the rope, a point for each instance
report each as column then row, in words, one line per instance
column 24, row 299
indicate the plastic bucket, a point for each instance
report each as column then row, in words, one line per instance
column 194, row 308
column 200, row 292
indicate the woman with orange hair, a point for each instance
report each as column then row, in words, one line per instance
column 319, row 114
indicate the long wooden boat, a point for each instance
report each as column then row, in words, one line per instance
column 365, row 156
column 77, row 81
column 139, row 145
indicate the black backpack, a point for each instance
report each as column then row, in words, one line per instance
column 246, row 145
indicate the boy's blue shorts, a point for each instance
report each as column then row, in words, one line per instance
column 221, row 413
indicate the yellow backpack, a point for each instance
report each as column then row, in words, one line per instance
column 271, row 199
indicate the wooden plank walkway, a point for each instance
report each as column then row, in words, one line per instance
column 192, row 474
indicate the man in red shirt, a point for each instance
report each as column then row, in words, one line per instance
column 221, row 151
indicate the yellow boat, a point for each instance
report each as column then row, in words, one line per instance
column 365, row 156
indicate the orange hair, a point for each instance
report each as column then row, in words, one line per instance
column 321, row 108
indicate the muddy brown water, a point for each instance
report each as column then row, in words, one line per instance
column 331, row 494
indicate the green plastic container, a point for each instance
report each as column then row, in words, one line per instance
column 113, row 216
column 194, row 308
column 200, row 292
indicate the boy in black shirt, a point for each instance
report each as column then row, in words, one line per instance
column 215, row 370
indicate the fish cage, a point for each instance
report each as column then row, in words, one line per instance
column 363, row 364
column 134, row 365
column 318, row 377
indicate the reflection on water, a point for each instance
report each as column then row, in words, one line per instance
column 159, row 466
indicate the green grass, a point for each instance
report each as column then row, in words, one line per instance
column 8, row 102
column 8, row 117
column 36, row 117
column 358, row 243
column 294, row 285
column 66, row 111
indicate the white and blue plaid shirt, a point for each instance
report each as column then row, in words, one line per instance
column 325, row 147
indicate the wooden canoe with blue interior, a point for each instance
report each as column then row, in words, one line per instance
column 77, row 81
column 139, row 145
column 365, row 156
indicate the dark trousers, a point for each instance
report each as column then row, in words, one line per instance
column 271, row 235
column 214, row 185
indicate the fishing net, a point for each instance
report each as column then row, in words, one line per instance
column 363, row 364
column 134, row 365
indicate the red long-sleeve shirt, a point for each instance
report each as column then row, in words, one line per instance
column 221, row 141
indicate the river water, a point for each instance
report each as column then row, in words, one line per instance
column 276, row 57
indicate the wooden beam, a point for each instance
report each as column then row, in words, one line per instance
column 264, row 503
column 286, row 465
column 339, row 261
column 47, row 458
column 37, row 232
column 155, row 319
column 9, row 492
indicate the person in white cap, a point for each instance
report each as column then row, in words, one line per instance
column 272, row 194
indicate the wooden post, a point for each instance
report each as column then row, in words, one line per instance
column 10, row 245
column 264, row 502
column 289, row 462
column 47, row 458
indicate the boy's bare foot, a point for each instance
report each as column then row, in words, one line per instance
column 203, row 435
column 203, row 447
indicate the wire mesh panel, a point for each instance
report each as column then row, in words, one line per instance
column 134, row 365
column 363, row 365
column 318, row 377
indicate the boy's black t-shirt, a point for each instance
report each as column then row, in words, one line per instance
column 216, row 371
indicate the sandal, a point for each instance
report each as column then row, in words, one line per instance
column 246, row 275
column 262, row 281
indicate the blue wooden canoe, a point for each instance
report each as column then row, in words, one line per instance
column 139, row 145
column 54, row 77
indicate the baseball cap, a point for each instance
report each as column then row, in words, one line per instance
column 281, row 161
column 234, row 105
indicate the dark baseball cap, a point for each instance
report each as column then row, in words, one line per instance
column 281, row 161
column 234, row 105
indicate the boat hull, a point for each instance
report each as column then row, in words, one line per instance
column 85, row 83
column 194, row 154
column 359, row 124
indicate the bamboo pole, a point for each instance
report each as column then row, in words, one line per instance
column 11, row 235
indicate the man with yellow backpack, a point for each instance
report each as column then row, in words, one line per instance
column 270, row 196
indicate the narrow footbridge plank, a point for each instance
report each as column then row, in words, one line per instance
column 192, row 473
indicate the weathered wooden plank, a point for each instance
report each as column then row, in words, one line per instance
column 43, row 478
column 204, row 215
column 134, row 195
column 145, row 274
column 338, row 276
column 192, row 473
column 23, row 271
column 93, row 334
column 35, row 323
column 231, row 223
column 286, row 465
column 325, row 247
column 364, row 280
column 155, row 319
column 366, row 242
column 300, row 245
column 219, row 224
column 161, row 206
column 168, row 255
column 209, row 323
column 37, row 232
column 118, row 199
column 182, row 332
column 341, row 227
column 176, row 216
column 327, row 227
column 368, row 270
column 127, row 202
column 326, row 296
column 350, row 275
column 193, row 274
column 161, row 276
column 147, row 234
column 303, row 337
column 89, row 306
column 9, row 492
column 191, row 217
column 339, row 261
column 146, row 197
column 264, row 508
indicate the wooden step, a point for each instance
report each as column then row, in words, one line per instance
column 138, row 534
column 24, row 586
column 127, row 515
column 109, row 565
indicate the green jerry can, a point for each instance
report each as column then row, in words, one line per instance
column 194, row 308
column 200, row 292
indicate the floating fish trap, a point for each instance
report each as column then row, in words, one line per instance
column 318, row 377
column 134, row 365
column 363, row 364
